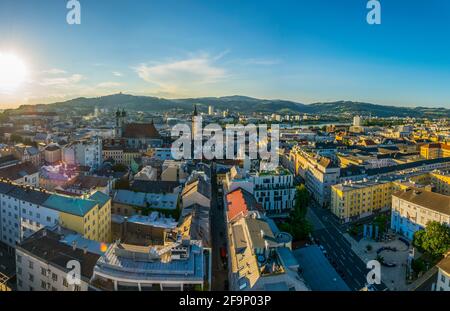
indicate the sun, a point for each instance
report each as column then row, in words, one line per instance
column 12, row 72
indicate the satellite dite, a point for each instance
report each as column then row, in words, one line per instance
column 74, row 14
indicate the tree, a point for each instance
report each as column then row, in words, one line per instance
column 297, row 225
column 435, row 239
column 119, row 168
column 301, row 201
column 380, row 221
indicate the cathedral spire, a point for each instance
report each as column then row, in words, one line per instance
column 195, row 111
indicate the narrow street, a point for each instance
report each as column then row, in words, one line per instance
column 218, row 238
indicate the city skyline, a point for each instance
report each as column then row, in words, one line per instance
column 299, row 51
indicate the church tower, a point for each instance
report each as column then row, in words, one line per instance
column 120, row 121
column 194, row 122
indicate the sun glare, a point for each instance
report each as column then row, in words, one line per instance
column 12, row 72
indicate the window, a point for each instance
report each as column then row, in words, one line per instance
column 43, row 285
column 65, row 283
column 31, row 277
column 77, row 288
column 30, row 265
column 54, row 277
column 43, row 271
column 19, row 258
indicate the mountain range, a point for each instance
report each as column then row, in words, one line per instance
column 236, row 104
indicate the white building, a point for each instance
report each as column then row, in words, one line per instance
column 443, row 280
column 86, row 152
column 274, row 190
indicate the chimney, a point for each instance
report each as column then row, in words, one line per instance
column 74, row 245
column 85, row 250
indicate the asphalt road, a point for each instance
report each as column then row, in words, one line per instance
column 218, row 238
column 351, row 268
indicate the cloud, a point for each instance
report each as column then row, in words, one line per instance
column 172, row 75
column 65, row 81
column 117, row 74
column 54, row 71
column 260, row 61
column 105, row 85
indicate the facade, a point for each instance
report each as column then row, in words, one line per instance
column 86, row 152
column 113, row 152
column 52, row 154
column 443, row 280
column 25, row 173
column 413, row 209
column 435, row 150
column 273, row 190
column 354, row 200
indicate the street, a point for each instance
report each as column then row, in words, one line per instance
column 218, row 238
column 329, row 234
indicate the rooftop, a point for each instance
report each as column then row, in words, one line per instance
column 70, row 205
column 47, row 246
column 434, row 201
column 317, row 271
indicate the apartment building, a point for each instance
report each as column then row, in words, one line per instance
column 273, row 190
column 87, row 152
column 435, row 150
column 25, row 210
column 43, row 261
column 260, row 257
column 25, row 173
column 354, row 200
column 413, row 208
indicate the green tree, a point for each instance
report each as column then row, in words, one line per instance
column 301, row 201
column 120, row 168
column 297, row 225
column 434, row 240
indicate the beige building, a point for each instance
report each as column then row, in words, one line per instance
column 413, row 209
column 52, row 154
column 257, row 257
column 173, row 171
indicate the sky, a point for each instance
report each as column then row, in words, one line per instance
column 306, row 51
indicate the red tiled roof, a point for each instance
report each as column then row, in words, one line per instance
column 239, row 202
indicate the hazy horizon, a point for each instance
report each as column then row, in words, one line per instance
column 300, row 51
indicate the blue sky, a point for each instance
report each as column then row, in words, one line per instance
column 300, row 50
